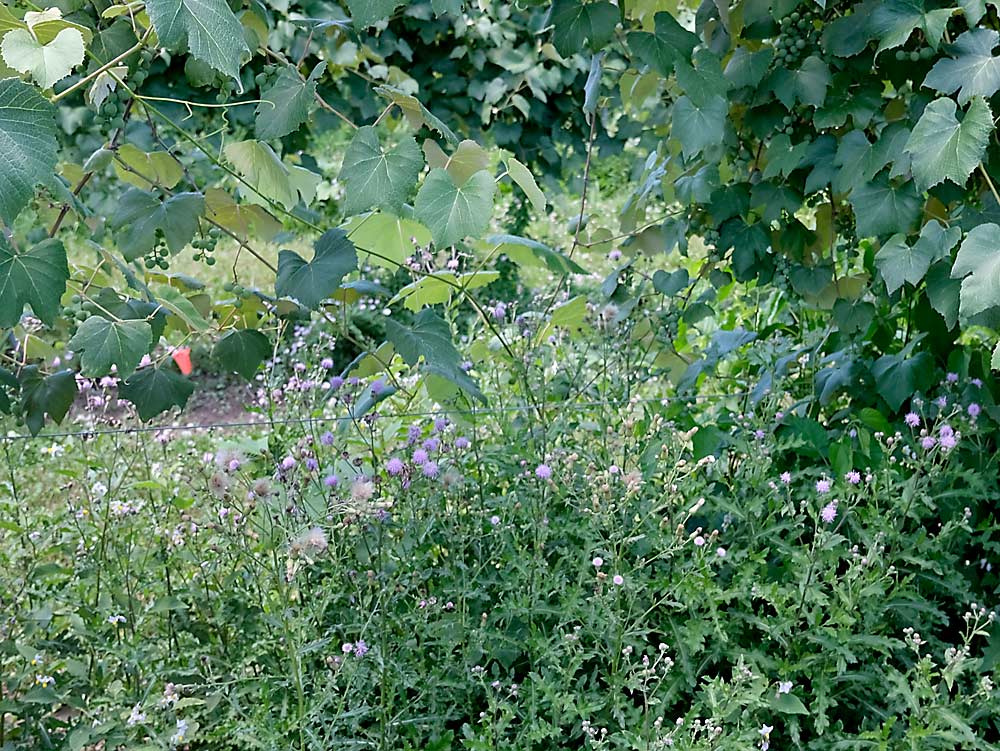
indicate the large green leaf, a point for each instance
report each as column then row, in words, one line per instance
column 807, row 84
column 243, row 351
column 104, row 343
column 46, row 63
column 51, row 395
column 452, row 212
column 154, row 390
column 577, row 25
column 367, row 13
column 521, row 175
column 208, row 28
column 429, row 337
column 269, row 178
column 942, row 148
column 898, row 376
column 35, row 277
column 881, row 208
column 663, row 47
column 139, row 215
column 899, row 263
column 312, row 282
column 893, row 21
column 973, row 71
column 526, row 252
column 27, row 143
column 698, row 127
column 374, row 177
column 978, row 266
column 388, row 238
column 286, row 104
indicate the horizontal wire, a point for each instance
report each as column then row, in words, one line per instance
column 349, row 418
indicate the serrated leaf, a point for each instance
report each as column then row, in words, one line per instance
column 271, row 179
column 704, row 80
column 670, row 283
column 698, row 127
column 46, row 63
column 51, row 395
column 365, row 13
column 521, row 175
column 943, row 292
column 416, row 113
column 972, row 71
column 35, row 277
column 577, row 25
column 174, row 301
column 899, row 263
column 883, row 209
column 468, row 159
column 30, row 149
column 389, row 239
column 452, row 212
column 942, row 148
column 243, row 220
column 154, row 390
column 243, row 351
column 374, row 177
column 429, row 337
column 978, row 266
column 139, row 216
column 746, row 68
column 808, row 84
column 145, row 171
column 208, row 28
column 286, row 104
column 898, row 376
column 104, row 343
column 893, row 21
column 665, row 45
column 312, row 282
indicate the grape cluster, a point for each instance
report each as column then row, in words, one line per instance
column 797, row 38
column 266, row 76
column 158, row 257
column 914, row 56
column 112, row 110
column 671, row 321
column 204, row 246
column 782, row 268
column 240, row 292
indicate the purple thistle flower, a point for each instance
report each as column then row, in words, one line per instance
column 912, row 419
column 432, row 444
column 360, row 648
column 543, row 471
column 853, row 477
column 823, row 486
column 326, row 363
column 311, row 464
column 786, row 478
column 336, row 382
column 419, row 457
column 974, row 410
column 440, row 424
column 430, row 469
column 394, row 466
column 288, row 462
column 928, row 442
column 461, row 442
column 331, row 481
column 829, row 512
column 413, row 432
column 378, row 387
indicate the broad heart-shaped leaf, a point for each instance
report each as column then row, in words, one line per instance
column 893, row 21
column 898, row 376
column 663, row 47
column 27, row 144
column 105, row 343
column 696, row 127
column 242, row 351
column 311, row 283
column 429, row 337
column 578, row 25
column 154, row 390
column 271, row 179
column 374, row 177
column 899, row 263
column 286, row 103
column 389, row 239
column 972, row 71
column 51, row 395
column 943, row 292
column 452, row 212
column 47, row 63
column 808, row 84
column 36, row 277
column 978, row 265
column 140, row 215
column 881, row 209
column 365, row 13
column 208, row 28
column 704, row 80
column 942, row 148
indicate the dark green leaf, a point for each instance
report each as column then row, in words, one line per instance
column 311, row 283
column 154, row 390
column 46, row 395
column 577, row 25
column 374, row 177
column 243, row 351
column 140, row 215
column 30, row 149
column 662, row 48
column 35, row 277
column 942, row 148
column 104, row 343
column 286, row 104
column 972, row 71
column 208, row 28
column 452, row 212
column 883, row 209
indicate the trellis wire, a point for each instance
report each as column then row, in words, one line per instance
column 264, row 422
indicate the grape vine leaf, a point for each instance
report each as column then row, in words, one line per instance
column 374, row 177
column 136, row 167
column 271, row 179
column 154, row 390
column 28, row 143
column 978, row 266
column 899, row 263
column 526, row 252
column 942, row 148
column 429, row 337
column 581, row 25
column 521, row 175
column 973, row 71
column 312, row 282
column 807, row 85
column 698, row 127
column 365, row 13
column 389, row 239
column 943, row 292
column 104, row 343
column 452, row 212
column 665, row 45
column 47, row 63
column 36, row 277
column 286, row 104
column 704, row 80
column 416, row 113
column 883, row 209
column 893, row 21
column 466, row 161
column 208, row 28
column 898, row 376
column 140, row 215
column 40, row 395
column 243, row 350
